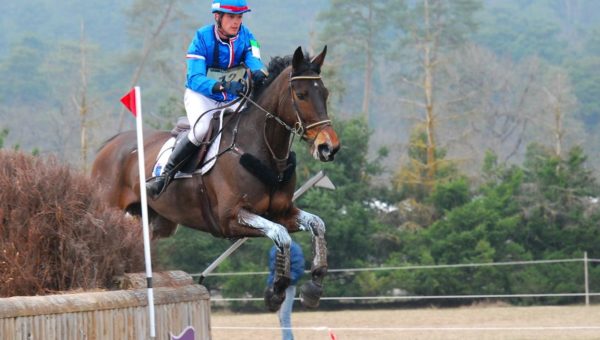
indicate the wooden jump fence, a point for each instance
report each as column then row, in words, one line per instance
column 110, row 315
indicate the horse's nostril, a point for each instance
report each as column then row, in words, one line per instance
column 324, row 149
column 325, row 152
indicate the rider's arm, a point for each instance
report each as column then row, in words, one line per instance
column 196, row 67
column 252, row 52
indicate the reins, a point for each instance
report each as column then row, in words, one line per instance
column 298, row 129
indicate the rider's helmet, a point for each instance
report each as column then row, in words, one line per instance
column 230, row 6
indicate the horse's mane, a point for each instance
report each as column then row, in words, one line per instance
column 276, row 66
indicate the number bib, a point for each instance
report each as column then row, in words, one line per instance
column 233, row 74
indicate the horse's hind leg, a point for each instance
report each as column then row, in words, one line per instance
column 275, row 295
column 311, row 291
column 160, row 226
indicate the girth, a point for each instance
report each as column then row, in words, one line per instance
column 181, row 130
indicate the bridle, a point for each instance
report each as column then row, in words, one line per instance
column 298, row 129
column 299, row 126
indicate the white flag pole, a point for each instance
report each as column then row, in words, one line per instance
column 146, row 230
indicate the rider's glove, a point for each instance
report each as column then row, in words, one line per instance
column 259, row 77
column 234, row 87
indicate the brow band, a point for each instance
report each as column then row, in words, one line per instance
column 305, row 77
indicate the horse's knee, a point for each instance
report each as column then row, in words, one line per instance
column 163, row 231
column 312, row 223
column 162, row 228
column 272, row 230
column 284, row 240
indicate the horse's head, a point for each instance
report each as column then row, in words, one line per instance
column 309, row 103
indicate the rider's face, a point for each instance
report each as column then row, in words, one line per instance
column 231, row 23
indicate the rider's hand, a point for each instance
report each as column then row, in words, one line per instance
column 234, row 87
column 259, row 77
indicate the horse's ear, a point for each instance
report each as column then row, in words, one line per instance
column 318, row 60
column 298, row 58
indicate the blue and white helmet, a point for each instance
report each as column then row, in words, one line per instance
column 230, row 6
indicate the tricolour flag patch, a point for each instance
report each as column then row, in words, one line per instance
column 255, row 48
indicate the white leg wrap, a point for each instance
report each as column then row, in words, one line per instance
column 309, row 222
column 272, row 230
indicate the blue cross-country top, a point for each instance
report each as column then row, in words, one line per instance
column 201, row 54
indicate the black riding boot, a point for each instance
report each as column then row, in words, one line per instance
column 181, row 152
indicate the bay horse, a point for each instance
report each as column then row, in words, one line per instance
column 248, row 192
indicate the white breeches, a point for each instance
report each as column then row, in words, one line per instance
column 196, row 105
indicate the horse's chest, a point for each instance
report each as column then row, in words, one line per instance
column 274, row 204
column 280, row 202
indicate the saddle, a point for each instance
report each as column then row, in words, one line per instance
column 182, row 129
column 198, row 161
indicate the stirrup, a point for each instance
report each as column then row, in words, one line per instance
column 165, row 181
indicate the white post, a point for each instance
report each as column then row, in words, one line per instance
column 146, row 230
column 585, row 275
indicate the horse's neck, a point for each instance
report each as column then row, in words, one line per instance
column 257, row 126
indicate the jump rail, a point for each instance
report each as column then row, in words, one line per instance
column 106, row 315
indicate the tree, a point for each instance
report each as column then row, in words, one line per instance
column 354, row 30
column 522, row 29
column 431, row 30
column 22, row 75
column 561, row 107
column 155, row 22
column 413, row 180
column 523, row 212
column 3, row 134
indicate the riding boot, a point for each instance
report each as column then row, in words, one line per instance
column 181, row 152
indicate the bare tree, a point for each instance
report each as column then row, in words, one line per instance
column 150, row 42
column 82, row 102
column 514, row 105
column 560, row 106
column 355, row 28
column 433, row 29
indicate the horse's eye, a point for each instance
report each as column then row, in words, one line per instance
column 301, row 95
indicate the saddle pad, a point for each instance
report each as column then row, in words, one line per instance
column 165, row 151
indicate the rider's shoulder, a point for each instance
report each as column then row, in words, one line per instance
column 245, row 33
column 205, row 30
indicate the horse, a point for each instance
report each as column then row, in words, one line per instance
column 248, row 192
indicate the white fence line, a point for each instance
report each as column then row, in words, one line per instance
column 585, row 294
column 461, row 265
column 424, row 297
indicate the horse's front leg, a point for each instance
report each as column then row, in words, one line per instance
column 311, row 291
column 274, row 295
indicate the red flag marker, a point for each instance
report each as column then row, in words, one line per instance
column 133, row 101
column 129, row 101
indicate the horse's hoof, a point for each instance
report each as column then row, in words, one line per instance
column 310, row 294
column 272, row 300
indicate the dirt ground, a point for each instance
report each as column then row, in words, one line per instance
column 476, row 322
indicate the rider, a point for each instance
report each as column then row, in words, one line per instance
column 215, row 49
